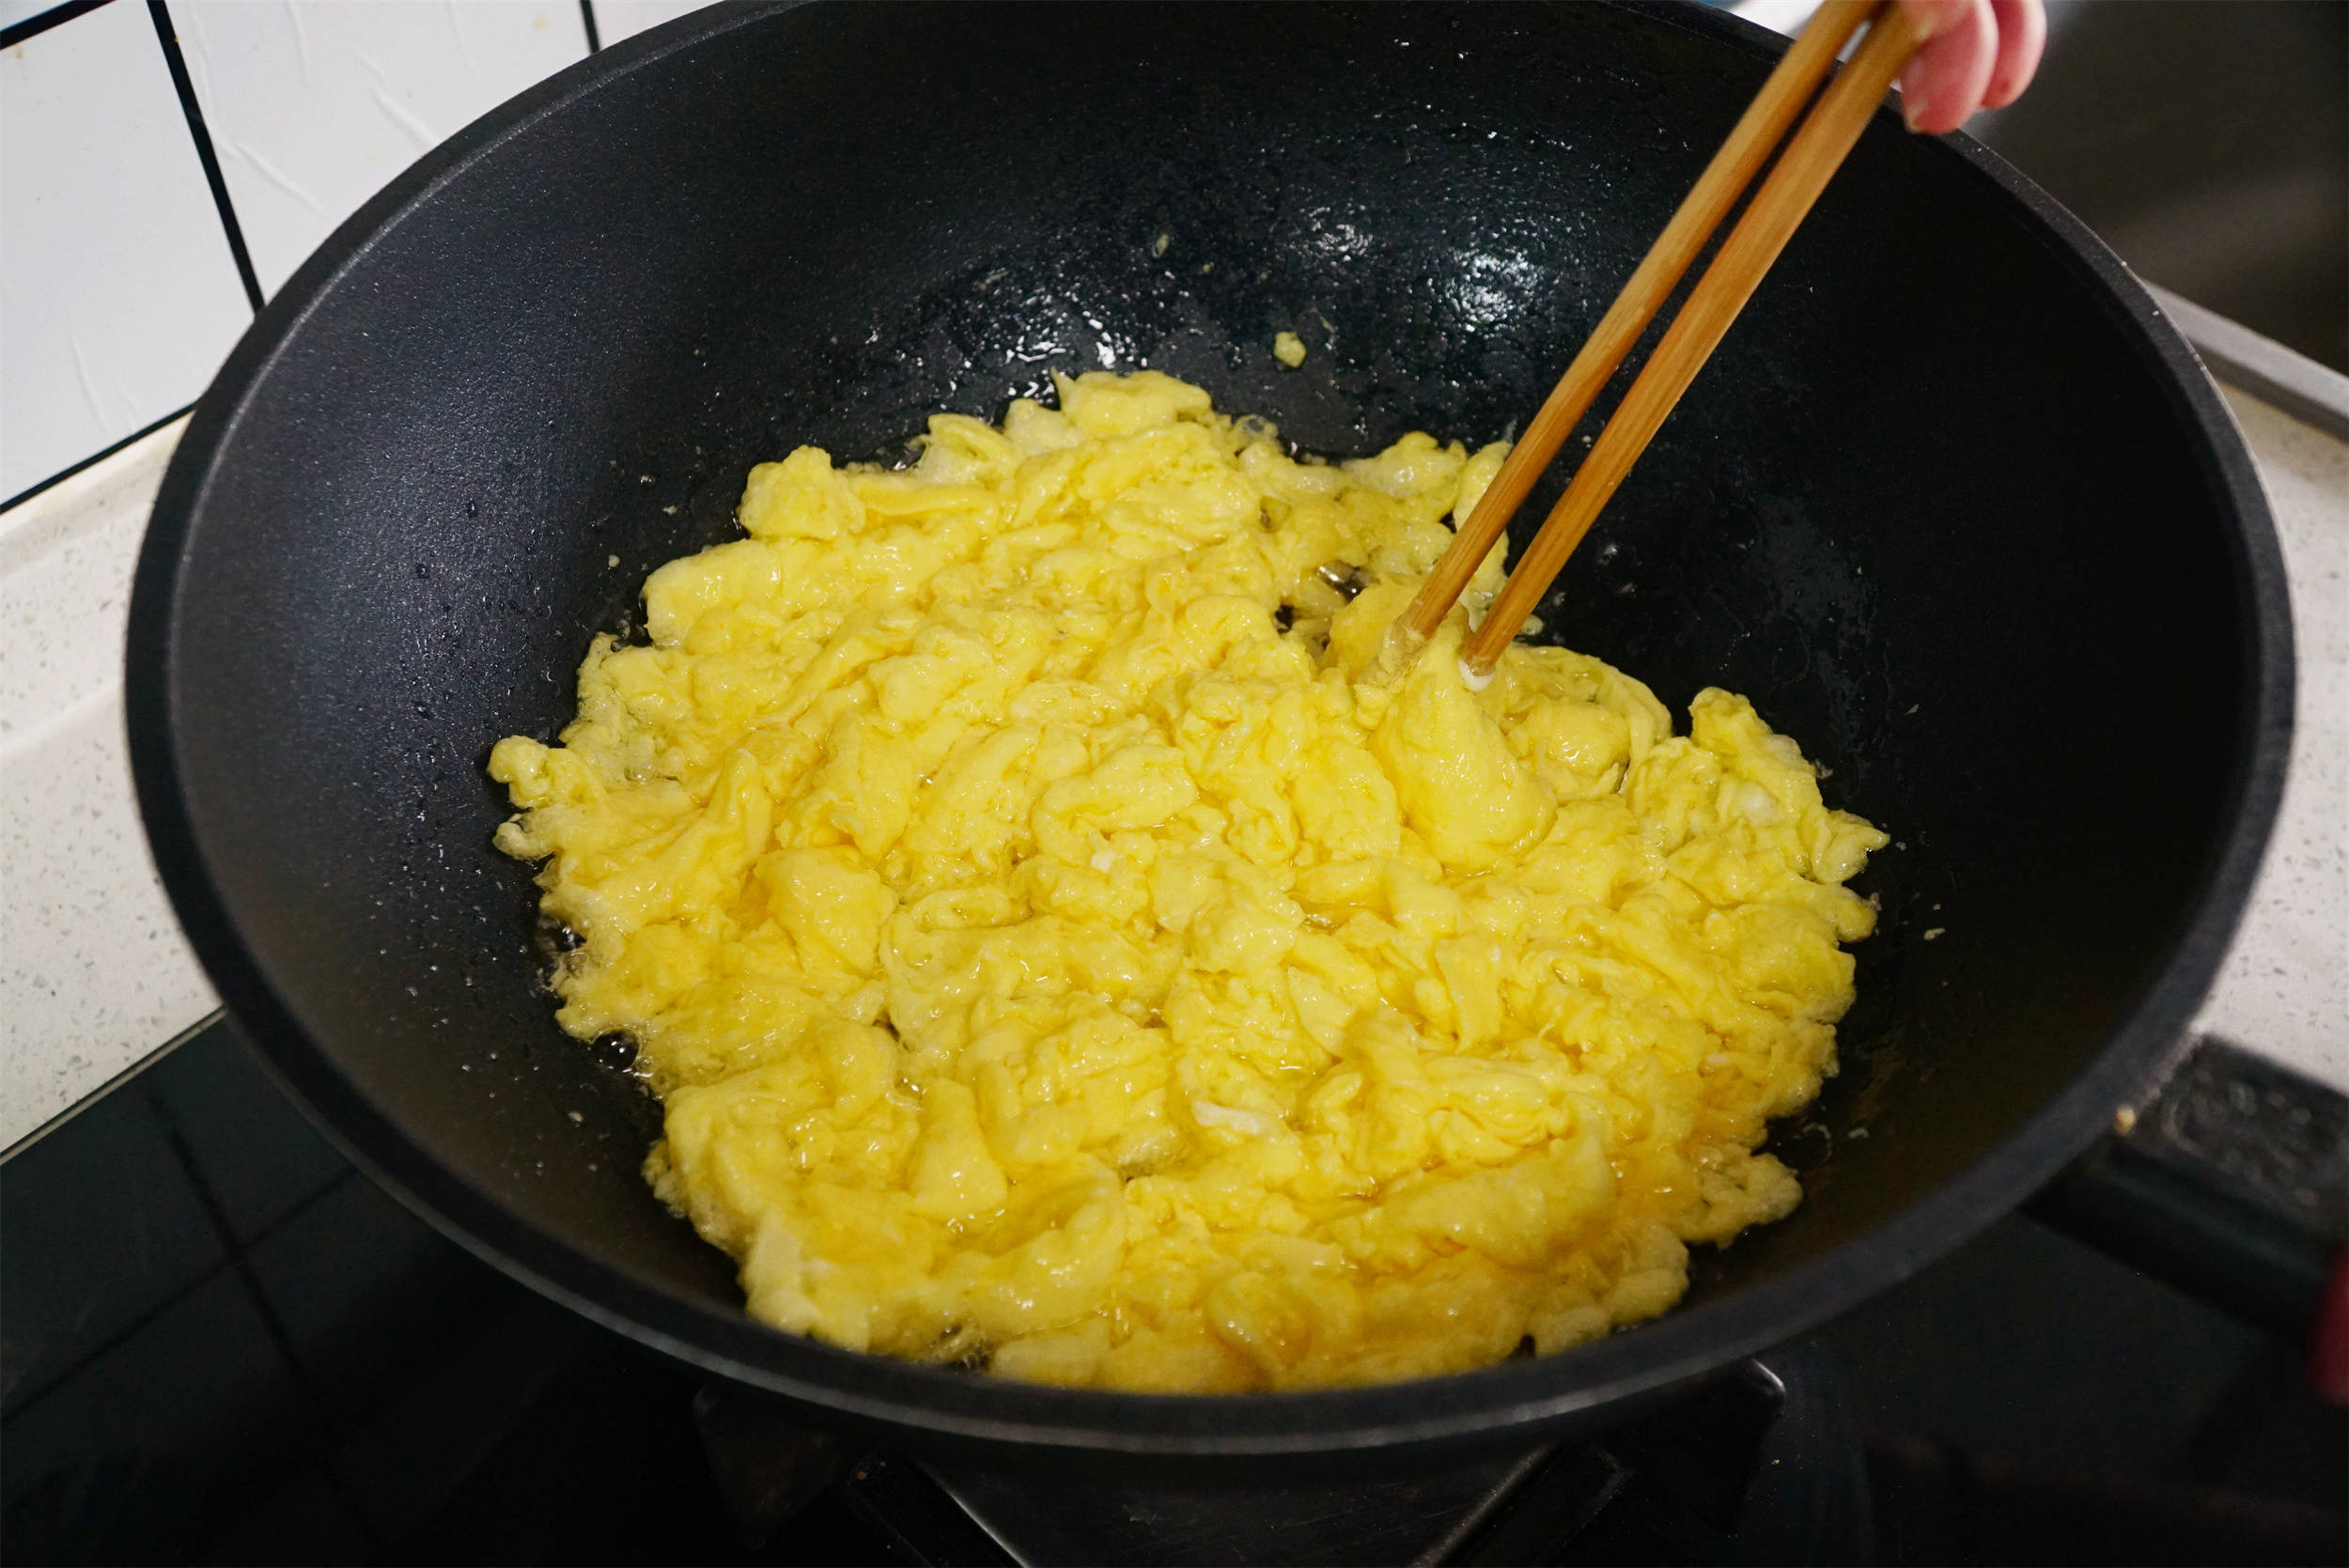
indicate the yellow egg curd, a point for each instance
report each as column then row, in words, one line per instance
column 1054, row 955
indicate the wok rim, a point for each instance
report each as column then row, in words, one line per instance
column 1519, row 1396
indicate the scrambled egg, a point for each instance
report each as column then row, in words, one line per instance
column 1053, row 956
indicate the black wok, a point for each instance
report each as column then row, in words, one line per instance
column 1952, row 505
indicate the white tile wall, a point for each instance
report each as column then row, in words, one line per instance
column 118, row 297
column 1780, row 16
column 620, row 19
column 313, row 105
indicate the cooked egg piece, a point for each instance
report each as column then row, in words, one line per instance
column 1051, row 955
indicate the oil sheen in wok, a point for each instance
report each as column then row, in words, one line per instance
column 1053, row 956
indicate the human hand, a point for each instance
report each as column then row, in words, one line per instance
column 1976, row 55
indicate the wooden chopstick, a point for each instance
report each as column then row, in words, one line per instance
column 1749, row 146
column 1770, row 219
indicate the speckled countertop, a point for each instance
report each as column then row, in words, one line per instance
column 95, row 976
column 2285, row 989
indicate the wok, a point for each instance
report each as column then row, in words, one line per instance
column 1952, row 504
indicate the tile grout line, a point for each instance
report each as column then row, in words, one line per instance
column 94, row 458
column 241, row 1261
column 113, row 1341
column 40, row 22
column 32, row 27
column 587, row 17
column 18, row 1407
column 194, row 111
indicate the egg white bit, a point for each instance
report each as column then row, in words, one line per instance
column 1105, row 861
column 1757, row 805
column 1209, row 1114
column 1474, row 681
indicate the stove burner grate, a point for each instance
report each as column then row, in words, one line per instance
column 1762, row 1465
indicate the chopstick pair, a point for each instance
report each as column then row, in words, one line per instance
column 1809, row 160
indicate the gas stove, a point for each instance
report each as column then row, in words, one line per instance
column 1766, row 1464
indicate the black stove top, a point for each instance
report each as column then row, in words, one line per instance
column 220, row 1342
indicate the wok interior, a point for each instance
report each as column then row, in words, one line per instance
column 1927, row 506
